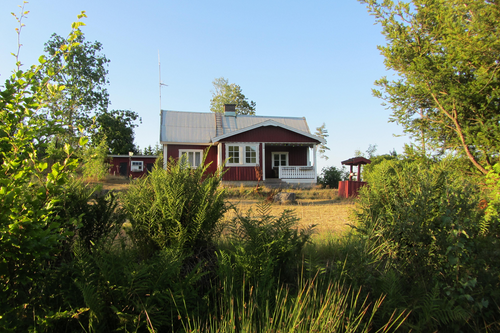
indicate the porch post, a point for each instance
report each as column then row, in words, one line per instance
column 263, row 161
column 308, row 157
column 219, row 154
column 315, row 168
column 165, row 156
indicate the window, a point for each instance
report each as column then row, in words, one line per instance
column 280, row 159
column 233, row 154
column 250, row 155
column 192, row 156
column 242, row 154
column 136, row 166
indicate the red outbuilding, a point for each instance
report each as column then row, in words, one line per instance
column 131, row 166
column 250, row 147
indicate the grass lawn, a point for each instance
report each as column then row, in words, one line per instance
column 330, row 216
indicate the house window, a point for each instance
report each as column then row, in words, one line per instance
column 233, row 154
column 250, row 154
column 280, row 159
column 192, row 156
column 137, row 166
column 242, row 154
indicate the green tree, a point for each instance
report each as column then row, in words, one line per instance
column 322, row 132
column 446, row 55
column 116, row 127
column 230, row 93
column 331, row 176
column 82, row 71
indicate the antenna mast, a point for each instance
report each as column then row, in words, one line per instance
column 159, row 76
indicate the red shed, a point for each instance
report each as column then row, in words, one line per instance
column 131, row 166
column 278, row 148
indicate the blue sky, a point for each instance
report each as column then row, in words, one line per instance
column 313, row 59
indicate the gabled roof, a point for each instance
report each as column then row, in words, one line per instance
column 200, row 127
column 268, row 123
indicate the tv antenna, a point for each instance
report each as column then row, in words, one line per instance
column 159, row 75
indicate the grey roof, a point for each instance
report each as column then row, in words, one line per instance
column 200, row 127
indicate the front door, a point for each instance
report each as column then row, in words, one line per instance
column 279, row 159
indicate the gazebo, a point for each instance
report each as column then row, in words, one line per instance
column 350, row 188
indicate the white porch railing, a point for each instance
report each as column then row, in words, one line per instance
column 296, row 172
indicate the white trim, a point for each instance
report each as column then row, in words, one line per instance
column 314, row 165
column 194, row 151
column 263, row 161
column 242, row 153
column 136, row 166
column 187, row 143
column 165, row 156
column 279, row 153
column 264, row 124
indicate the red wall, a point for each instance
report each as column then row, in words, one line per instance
column 173, row 151
column 114, row 169
column 268, row 134
column 297, row 156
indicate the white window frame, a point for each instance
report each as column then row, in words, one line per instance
column 242, row 153
column 194, row 151
column 279, row 153
column 136, row 166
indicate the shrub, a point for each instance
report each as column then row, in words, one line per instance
column 429, row 237
column 178, row 208
column 331, row 176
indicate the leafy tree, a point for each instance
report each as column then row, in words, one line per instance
column 331, row 176
column 116, row 127
column 230, row 93
column 370, row 152
column 82, row 71
column 322, row 132
column 446, row 55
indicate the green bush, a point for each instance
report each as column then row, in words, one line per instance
column 331, row 176
column 177, row 208
column 428, row 236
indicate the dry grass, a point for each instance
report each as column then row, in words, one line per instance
column 321, row 207
column 330, row 216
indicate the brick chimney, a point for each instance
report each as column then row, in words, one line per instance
column 230, row 110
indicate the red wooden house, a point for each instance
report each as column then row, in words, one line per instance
column 280, row 148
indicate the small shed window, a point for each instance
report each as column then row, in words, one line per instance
column 137, row 166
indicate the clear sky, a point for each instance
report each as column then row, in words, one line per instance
column 313, row 59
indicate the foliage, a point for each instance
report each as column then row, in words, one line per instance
column 30, row 190
column 266, row 248
column 331, row 176
column 116, row 127
column 94, row 161
column 322, row 132
column 429, row 237
column 313, row 308
column 121, row 292
column 446, row 55
column 230, row 93
column 178, row 208
column 370, row 152
column 82, row 71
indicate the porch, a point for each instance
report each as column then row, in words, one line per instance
column 292, row 163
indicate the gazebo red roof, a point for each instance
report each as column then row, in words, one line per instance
column 356, row 161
